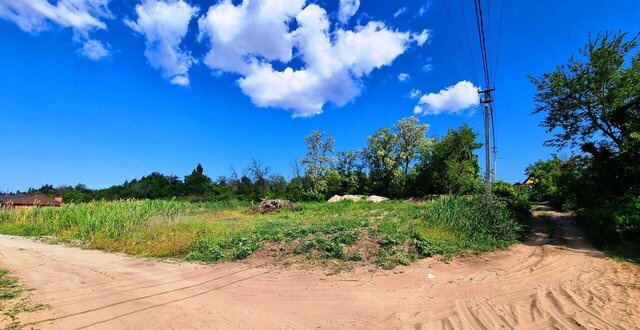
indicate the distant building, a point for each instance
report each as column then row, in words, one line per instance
column 528, row 182
column 20, row 201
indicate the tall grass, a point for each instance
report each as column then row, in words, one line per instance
column 387, row 233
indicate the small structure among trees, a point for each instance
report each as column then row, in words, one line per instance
column 21, row 201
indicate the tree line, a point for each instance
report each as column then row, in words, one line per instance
column 396, row 162
column 592, row 107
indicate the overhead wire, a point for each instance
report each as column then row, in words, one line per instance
column 468, row 61
column 496, row 66
column 466, row 30
column 483, row 43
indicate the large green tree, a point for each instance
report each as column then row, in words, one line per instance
column 593, row 101
column 411, row 136
column 381, row 158
column 317, row 162
column 350, row 173
column 197, row 183
column 450, row 166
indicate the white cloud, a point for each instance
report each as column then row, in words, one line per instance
column 163, row 25
column 404, row 76
column 423, row 9
column 400, row 11
column 35, row 15
column 253, row 39
column 239, row 35
column 420, row 38
column 94, row 50
column 453, row 99
column 81, row 16
column 369, row 47
column 347, row 9
column 415, row 93
column 427, row 67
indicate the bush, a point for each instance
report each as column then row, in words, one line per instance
column 243, row 246
column 627, row 219
column 206, row 250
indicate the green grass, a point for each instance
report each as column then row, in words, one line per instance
column 388, row 233
column 9, row 288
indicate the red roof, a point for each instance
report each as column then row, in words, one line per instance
column 37, row 200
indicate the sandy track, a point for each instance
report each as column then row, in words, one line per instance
column 545, row 283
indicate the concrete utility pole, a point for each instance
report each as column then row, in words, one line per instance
column 487, row 100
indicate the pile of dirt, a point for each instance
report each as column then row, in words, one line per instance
column 273, row 205
column 357, row 198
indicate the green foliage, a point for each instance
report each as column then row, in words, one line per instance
column 243, row 246
column 627, row 218
column 411, row 139
column 207, row 249
column 381, row 157
column 396, row 163
column 593, row 102
column 9, row 288
column 545, row 175
column 400, row 232
column 317, row 161
column 450, row 166
column 348, row 174
column 517, row 198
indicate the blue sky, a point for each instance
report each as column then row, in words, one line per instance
column 115, row 91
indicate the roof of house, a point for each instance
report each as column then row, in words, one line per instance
column 23, row 199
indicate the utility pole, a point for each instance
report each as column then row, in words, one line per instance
column 487, row 100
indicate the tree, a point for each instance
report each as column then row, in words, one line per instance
column 318, row 161
column 411, row 137
column 381, row 157
column 450, row 166
column 594, row 102
column 545, row 175
column 350, row 172
column 196, row 183
column 258, row 172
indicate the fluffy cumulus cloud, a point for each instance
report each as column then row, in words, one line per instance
column 163, row 25
column 300, row 69
column 453, row 99
column 285, row 54
column 82, row 16
column 347, row 9
column 404, row 76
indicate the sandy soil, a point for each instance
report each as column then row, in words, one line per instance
column 560, row 282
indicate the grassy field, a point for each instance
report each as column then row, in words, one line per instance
column 386, row 234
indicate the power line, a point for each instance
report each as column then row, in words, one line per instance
column 470, row 64
column 483, row 43
column 495, row 71
column 488, row 99
column 466, row 30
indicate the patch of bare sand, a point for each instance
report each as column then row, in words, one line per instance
column 559, row 282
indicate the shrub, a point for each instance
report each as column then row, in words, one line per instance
column 206, row 250
column 627, row 219
column 243, row 246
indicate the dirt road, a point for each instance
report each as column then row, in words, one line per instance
column 546, row 283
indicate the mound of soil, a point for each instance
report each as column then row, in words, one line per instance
column 273, row 205
column 357, row 198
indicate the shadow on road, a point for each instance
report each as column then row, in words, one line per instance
column 549, row 226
